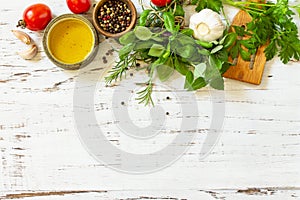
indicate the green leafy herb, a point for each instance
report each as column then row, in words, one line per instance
column 142, row 33
column 161, row 40
column 272, row 25
column 169, row 21
column 156, row 50
column 215, row 5
column 143, row 17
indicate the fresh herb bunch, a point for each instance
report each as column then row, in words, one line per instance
column 172, row 49
column 272, row 25
column 162, row 41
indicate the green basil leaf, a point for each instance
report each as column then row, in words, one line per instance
column 217, row 83
column 142, row 33
column 199, row 83
column 140, row 45
column 185, row 40
column 157, row 38
column 199, row 70
column 204, row 52
column 189, row 78
column 169, row 21
column 165, row 71
column 213, row 76
column 156, row 50
column 127, row 38
column 143, row 17
column 186, row 51
column 180, row 66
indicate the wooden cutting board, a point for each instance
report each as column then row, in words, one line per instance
column 245, row 70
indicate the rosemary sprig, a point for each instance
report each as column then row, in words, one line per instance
column 120, row 69
column 144, row 96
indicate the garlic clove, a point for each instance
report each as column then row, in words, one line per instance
column 30, row 53
column 189, row 10
column 24, row 37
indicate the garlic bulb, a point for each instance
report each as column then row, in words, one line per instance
column 207, row 25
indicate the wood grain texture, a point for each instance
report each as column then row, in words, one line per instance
column 41, row 156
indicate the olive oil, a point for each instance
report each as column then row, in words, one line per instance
column 70, row 41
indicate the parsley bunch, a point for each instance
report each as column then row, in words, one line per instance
column 271, row 25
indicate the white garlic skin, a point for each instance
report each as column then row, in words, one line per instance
column 207, row 25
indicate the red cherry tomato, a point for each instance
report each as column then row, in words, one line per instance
column 160, row 3
column 36, row 17
column 79, row 6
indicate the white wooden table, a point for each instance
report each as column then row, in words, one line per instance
column 256, row 155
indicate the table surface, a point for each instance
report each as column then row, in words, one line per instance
column 255, row 155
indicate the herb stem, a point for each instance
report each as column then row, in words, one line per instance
column 225, row 16
column 251, row 3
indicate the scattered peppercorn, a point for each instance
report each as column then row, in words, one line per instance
column 167, row 97
column 111, row 51
column 104, row 59
column 114, row 16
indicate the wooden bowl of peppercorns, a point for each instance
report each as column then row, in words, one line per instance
column 113, row 18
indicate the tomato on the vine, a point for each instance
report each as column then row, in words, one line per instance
column 79, row 6
column 160, row 3
column 36, row 17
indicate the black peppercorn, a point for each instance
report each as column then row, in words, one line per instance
column 114, row 16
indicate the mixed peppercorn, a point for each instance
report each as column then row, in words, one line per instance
column 114, row 16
